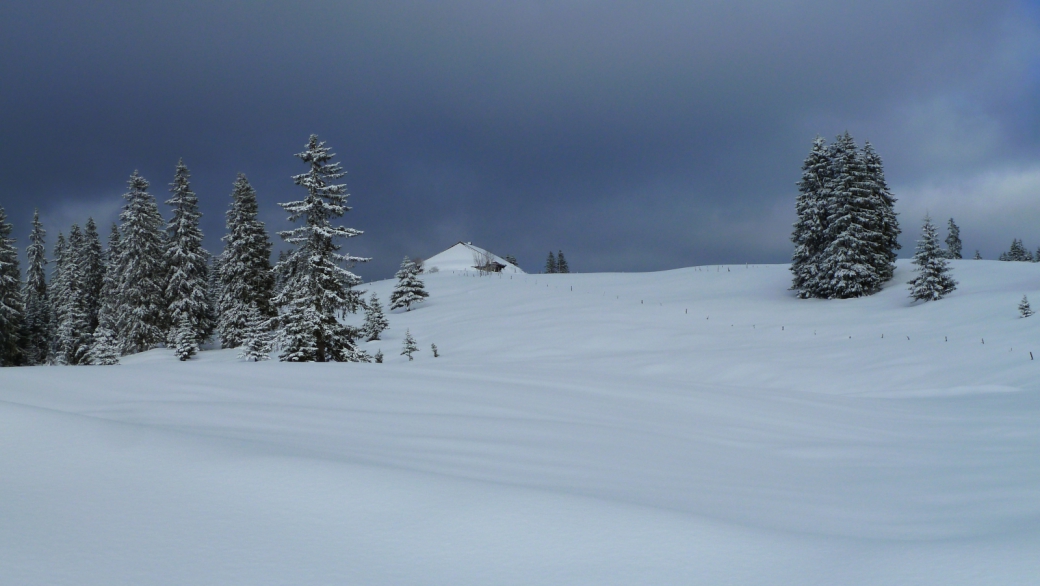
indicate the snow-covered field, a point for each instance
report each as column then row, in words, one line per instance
column 696, row 426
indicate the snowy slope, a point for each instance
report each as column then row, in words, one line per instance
column 697, row 426
column 462, row 257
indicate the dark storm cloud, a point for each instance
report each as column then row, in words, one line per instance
column 634, row 136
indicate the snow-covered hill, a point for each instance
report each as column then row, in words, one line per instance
column 696, row 426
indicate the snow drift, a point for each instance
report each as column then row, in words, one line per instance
column 683, row 427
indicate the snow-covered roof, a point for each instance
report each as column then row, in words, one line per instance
column 461, row 258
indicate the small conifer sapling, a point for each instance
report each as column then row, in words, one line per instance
column 186, row 342
column 409, row 345
column 375, row 321
column 1023, row 308
column 409, row 289
column 434, row 348
column 256, row 337
column 105, row 351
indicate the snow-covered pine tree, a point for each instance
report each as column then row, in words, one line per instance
column 1023, row 308
column 256, row 338
column 810, row 229
column 933, row 281
column 953, row 240
column 37, row 302
column 433, row 348
column 1017, row 253
column 246, row 276
column 409, row 345
column 214, row 290
column 108, row 306
column 561, row 263
column 884, row 210
column 92, row 267
column 59, row 293
column 851, row 264
column 74, row 336
column 378, row 357
column 512, row 260
column 977, row 255
column 185, row 337
column 550, row 263
column 317, row 287
column 141, row 269
column 375, row 321
column 105, row 351
column 12, row 307
column 187, row 263
column 282, row 269
column 409, row 289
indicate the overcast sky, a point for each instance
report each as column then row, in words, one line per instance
column 631, row 135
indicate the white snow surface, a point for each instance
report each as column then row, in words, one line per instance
column 461, row 256
column 695, row 426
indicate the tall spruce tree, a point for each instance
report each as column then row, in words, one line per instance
column 810, row 229
column 850, row 265
column 953, row 240
column 141, row 270
column 550, row 263
column 89, row 275
column 409, row 289
column 215, row 290
column 318, row 287
column 58, row 294
column 74, row 335
column 106, row 348
column 12, row 306
column 933, row 281
column 37, row 302
column 92, row 258
column 883, row 204
column 561, row 263
column 187, row 263
column 846, row 235
column 245, row 274
column 108, row 306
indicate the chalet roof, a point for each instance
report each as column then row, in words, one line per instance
column 460, row 257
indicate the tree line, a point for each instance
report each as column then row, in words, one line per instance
column 155, row 284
